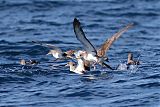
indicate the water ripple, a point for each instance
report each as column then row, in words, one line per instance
column 50, row 83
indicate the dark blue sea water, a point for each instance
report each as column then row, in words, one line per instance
column 50, row 84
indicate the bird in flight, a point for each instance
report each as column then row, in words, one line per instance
column 90, row 53
column 57, row 52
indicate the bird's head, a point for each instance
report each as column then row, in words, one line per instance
column 70, row 64
column 22, row 62
column 51, row 52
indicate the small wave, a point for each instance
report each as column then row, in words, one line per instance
column 122, row 67
column 150, row 85
column 155, row 76
column 125, row 67
column 12, row 79
column 78, row 94
column 120, row 81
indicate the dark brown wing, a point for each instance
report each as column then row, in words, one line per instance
column 82, row 38
column 106, row 65
column 107, row 44
column 48, row 46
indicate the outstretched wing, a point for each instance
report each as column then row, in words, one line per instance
column 106, row 65
column 48, row 46
column 82, row 38
column 107, row 44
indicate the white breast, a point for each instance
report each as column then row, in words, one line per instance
column 78, row 53
column 90, row 57
column 80, row 67
column 56, row 55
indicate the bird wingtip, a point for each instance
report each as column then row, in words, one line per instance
column 76, row 21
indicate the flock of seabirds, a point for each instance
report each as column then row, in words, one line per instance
column 85, row 60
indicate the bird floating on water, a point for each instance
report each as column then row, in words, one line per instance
column 80, row 69
column 130, row 60
column 30, row 62
column 130, row 64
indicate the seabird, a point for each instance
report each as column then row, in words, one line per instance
column 130, row 60
column 82, row 66
column 79, row 69
column 57, row 52
column 30, row 62
column 91, row 54
column 130, row 64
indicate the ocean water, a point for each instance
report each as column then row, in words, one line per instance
column 50, row 84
